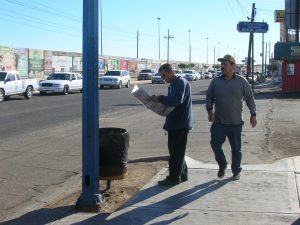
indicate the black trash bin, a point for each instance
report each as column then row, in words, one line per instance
column 113, row 153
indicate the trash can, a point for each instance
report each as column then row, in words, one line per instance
column 113, row 153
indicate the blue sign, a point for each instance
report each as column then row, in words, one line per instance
column 253, row 27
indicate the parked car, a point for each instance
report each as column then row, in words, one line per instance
column 190, row 75
column 145, row 74
column 156, row 78
column 12, row 84
column 61, row 82
column 208, row 75
column 115, row 78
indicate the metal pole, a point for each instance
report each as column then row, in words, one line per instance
column 158, row 19
column 168, row 47
column 218, row 49
column 189, row 45
column 168, row 37
column 90, row 197
column 137, row 44
column 252, row 62
column 207, row 51
column 262, row 57
column 101, row 27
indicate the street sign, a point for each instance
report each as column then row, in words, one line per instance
column 254, row 27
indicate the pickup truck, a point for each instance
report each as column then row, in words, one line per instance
column 145, row 74
column 12, row 84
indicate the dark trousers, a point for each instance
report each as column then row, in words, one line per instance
column 177, row 140
column 219, row 132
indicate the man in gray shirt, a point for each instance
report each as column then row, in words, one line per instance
column 227, row 93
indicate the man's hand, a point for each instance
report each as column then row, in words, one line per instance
column 211, row 116
column 154, row 98
column 253, row 121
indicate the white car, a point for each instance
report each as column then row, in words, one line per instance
column 190, row 75
column 61, row 82
column 156, row 78
column 115, row 78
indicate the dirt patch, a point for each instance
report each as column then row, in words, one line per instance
column 139, row 174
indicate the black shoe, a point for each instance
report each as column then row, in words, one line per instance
column 168, row 182
column 184, row 179
column 236, row 176
column 221, row 172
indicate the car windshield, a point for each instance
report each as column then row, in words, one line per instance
column 146, row 71
column 112, row 73
column 59, row 76
column 2, row 76
column 188, row 71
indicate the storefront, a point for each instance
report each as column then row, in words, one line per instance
column 289, row 54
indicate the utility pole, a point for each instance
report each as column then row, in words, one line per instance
column 251, row 42
column 168, row 48
column 101, row 28
column 207, row 51
column 262, row 57
column 266, row 60
column 214, row 57
column 158, row 19
column 189, row 45
column 137, row 44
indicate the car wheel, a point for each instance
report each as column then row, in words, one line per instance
column 28, row 93
column 120, row 85
column 128, row 84
column 1, row 95
column 42, row 93
column 101, row 86
column 65, row 90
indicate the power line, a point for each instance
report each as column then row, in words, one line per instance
column 242, row 8
column 232, row 10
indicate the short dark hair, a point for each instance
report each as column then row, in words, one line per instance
column 166, row 68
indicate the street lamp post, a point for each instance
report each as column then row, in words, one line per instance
column 218, row 49
column 207, row 51
column 190, row 46
column 158, row 19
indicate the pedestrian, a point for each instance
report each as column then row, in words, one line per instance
column 178, row 123
column 224, row 104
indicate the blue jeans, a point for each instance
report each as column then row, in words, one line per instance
column 219, row 132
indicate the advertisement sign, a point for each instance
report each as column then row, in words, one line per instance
column 62, row 63
column 48, row 62
column 77, row 64
column 36, row 63
column 279, row 16
column 123, row 64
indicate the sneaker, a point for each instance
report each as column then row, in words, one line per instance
column 236, row 176
column 168, row 182
column 221, row 172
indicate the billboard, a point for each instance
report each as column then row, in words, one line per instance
column 279, row 16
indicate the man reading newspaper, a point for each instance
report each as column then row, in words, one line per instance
column 178, row 123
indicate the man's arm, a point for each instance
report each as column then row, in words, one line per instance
column 210, row 102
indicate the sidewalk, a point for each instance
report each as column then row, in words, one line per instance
column 265, row 194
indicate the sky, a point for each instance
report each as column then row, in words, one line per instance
column 57, row 25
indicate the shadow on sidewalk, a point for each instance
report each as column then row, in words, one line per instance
column 146, row 213
column 42, row 216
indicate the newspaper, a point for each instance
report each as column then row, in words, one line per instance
column 157, row 107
